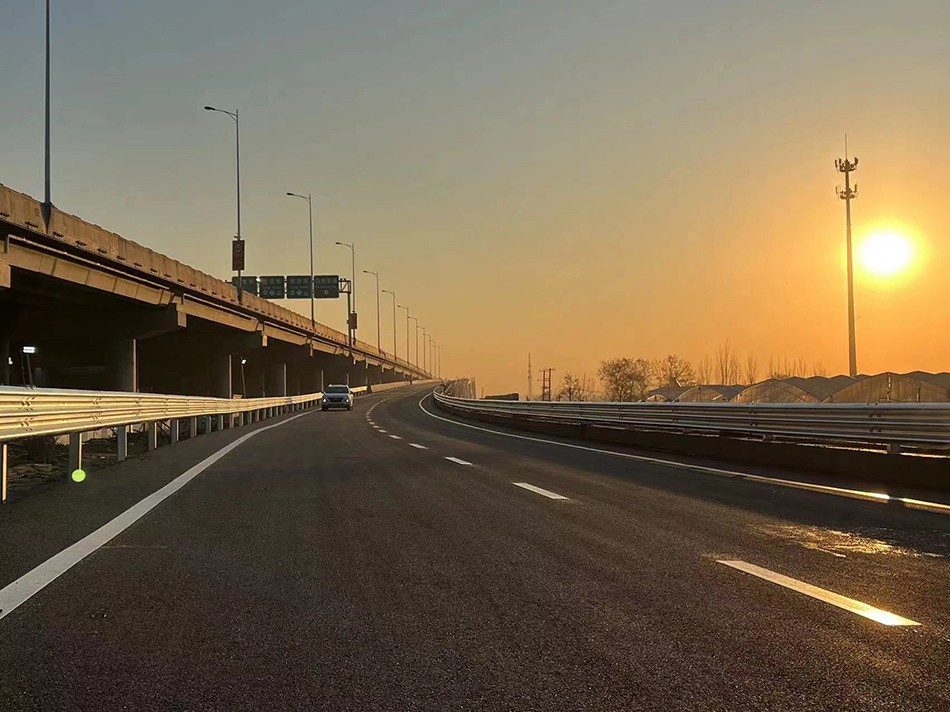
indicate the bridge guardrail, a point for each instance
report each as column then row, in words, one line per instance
column 891, row 425
column 31, row 412
column 28, row 412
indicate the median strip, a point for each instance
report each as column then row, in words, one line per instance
column 848, row 604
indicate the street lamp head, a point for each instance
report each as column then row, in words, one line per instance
column 292, row 194
column 210, row 108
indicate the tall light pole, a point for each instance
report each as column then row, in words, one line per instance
column 393, row 294
column 309, row 198
column 424, row 358
column 47, row 204
column 417, row 340
column 237, row 142
column 349, row 317
column 847, row 195
column 376, row 275
column 429, row 353
column 408, row 359
column 432, row 354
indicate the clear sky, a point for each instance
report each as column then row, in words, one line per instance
column 580, row 180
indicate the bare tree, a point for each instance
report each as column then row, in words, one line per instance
column 801, row 367
column 778, row 371
column 625, row 379
column 751, row 368
column 728, row 369
column 704, row 371
column 575, row 388
column 818, row 369
column 673, row 371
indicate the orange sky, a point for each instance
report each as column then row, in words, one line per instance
column 578, row 181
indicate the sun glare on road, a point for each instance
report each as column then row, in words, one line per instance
column 886, row 253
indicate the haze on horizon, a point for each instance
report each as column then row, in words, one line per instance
column 576, row 180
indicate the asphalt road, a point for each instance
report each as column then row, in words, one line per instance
column 333, row 563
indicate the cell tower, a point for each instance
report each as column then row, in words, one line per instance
column 847, row 195
column 530, row 395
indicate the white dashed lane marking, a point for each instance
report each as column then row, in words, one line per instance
column 395, row 437
column 542, row 492
column 458, row 461
column 418, row 446
column 848, row 604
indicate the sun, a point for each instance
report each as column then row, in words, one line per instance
column 886, row 253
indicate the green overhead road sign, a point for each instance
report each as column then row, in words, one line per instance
column 272, row 287
column 326, row 286
column 248, row 284
column 298, row 286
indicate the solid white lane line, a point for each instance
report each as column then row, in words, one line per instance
column 418, row 446
column 460, row 462
column 543, row 492
column 395, row 437
column 848, row 604
column 879, row 497
column 34, row 581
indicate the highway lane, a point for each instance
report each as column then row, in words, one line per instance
column 328, row 565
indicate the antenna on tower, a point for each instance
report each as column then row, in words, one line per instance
column 849, row 193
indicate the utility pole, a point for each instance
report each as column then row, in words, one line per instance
column 847, row 166
column 530, row 380
column 546, row 383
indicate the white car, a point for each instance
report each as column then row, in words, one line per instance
column 337, row 397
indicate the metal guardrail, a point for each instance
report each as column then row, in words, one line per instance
column 27, row 412
column 893, row 425
column 32, row 412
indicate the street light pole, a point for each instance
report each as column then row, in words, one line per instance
column 416, row 364
column 424, row 359
column 393, row 294
column 349, row 317
column 309, row 198
column 48, row 204
column 376, row 275
column 237, row 143
column 408, row 359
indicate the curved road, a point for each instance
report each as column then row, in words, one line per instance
column 388, row 559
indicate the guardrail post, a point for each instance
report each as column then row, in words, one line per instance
column 207, row 424
column 122, row 442
column 4, row 457
column 152, row 433
column 893, row 448
column 75, row 451
column 220, row 421
column 192, row 426
column 174, row 426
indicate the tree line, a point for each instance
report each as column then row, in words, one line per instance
column 630, row 379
